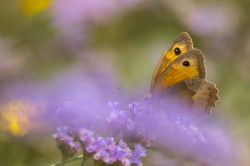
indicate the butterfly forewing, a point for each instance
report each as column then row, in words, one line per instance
column 190, row 65
column 180, row 46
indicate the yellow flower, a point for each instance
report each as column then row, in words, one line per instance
column 32, row 7
column 18, row 117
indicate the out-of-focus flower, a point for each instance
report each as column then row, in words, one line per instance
column 186, row 138
column 73, row 17
column 130, row 121
column 168, row 131
column 206, row 19
column 19, row 117
column 31, row 7
column 117, row 116
column 173, row 131
column 79, row 11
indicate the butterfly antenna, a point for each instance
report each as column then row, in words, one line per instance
column 121, row 88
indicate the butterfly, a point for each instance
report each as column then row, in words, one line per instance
column 179, row 77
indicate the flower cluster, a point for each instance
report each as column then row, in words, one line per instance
column 130, row 122
column 103, row 150
column 65, row 142
column 143, row 126
column 118, row 116
column 179, row 132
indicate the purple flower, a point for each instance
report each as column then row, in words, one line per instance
column 98, row 144
column 123, row 153
column 74, row 17
column 133, row 106
column 117, row 116
column 85, row 136
column 100, row 155
column 207, row 19
column 107, row 150
column 139, row 152
column 115, row 106
column 177, row 132
column 65, row 142
column 131, row 122
column 63, row 130
column 122, row 144
column 79, row 11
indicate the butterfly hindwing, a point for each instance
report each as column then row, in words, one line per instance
column 198, row 95
column 206, row 94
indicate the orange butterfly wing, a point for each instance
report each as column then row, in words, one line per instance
column 188, row 66
column 181, row 44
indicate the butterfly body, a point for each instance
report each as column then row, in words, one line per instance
column 179, row 77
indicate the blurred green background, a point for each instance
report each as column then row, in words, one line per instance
column 40, row 39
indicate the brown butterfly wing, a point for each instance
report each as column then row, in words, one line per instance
column 198, row 95
column 206, row 94
column 176, row 95
column 190, row 93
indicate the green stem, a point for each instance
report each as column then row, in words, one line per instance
column 60, row 163
column 85, row 157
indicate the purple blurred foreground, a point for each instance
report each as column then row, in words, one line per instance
column 82, row 103
column 178, row 134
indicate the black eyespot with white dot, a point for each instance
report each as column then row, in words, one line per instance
column 177, row 51
column 186, row 63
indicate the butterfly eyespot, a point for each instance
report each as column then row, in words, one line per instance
column 186, row 63
column 177, row 51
